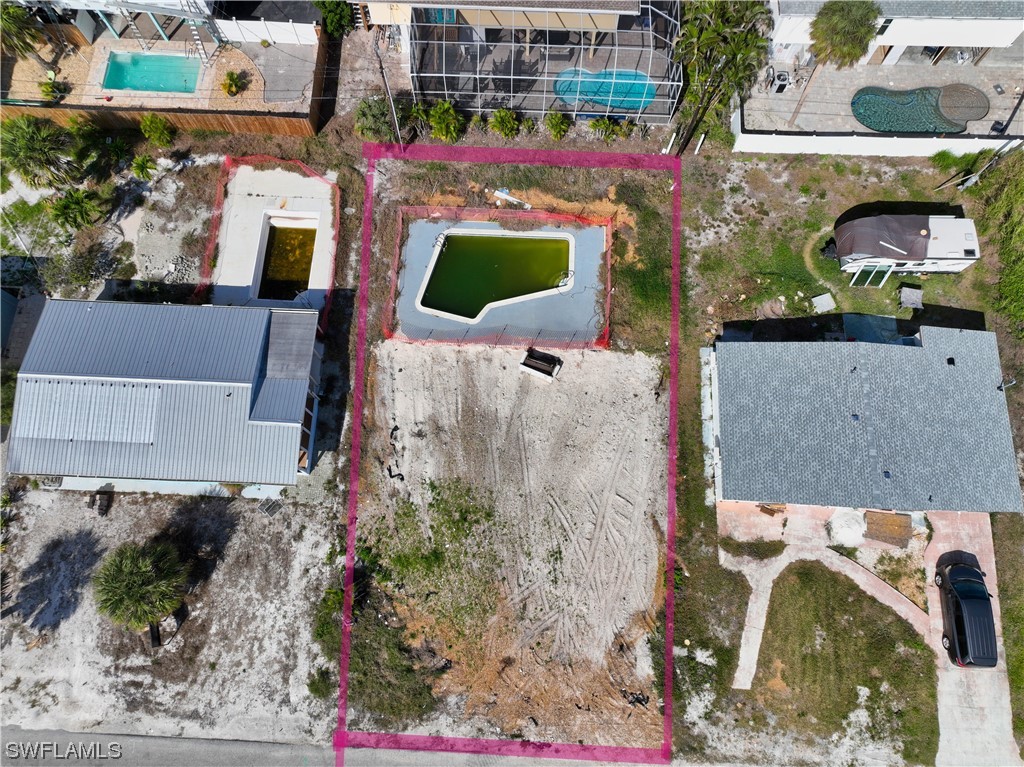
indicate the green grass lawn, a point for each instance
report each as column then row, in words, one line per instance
column 823, row 639
column 1008, row 537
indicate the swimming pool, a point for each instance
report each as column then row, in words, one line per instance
column 918, row 110
column 473, row 270
column 624, row 89
column 151, row 72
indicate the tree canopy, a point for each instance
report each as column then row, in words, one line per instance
column 722, row 44
column 843, row 30
column 20, row 33
column 138, row 585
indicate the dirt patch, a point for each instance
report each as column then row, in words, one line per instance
column 236, row 667
column 576, row 471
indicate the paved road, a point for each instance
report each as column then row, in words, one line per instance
column 146, row 751
column 143, row 751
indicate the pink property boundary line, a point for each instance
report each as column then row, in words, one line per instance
column 228, row 169
column 345, row 739
column 388, row 319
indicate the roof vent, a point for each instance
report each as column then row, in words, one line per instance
column 951, row 361
column 887, row 474
column 855, row 417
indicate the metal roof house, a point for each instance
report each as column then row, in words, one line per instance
column 885, row 426
column 881, row 245
column 166, row 393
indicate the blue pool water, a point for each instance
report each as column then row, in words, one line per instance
column 624, row 89
column 915, row 111
column 151, row 72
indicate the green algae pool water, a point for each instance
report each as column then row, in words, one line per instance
column 472, row 271
column 286, row 265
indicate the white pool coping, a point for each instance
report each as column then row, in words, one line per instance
column 255, row 200
column 461, row 231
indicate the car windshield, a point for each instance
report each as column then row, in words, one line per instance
column 968, row 588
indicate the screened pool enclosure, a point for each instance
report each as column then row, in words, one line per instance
column 614, row 63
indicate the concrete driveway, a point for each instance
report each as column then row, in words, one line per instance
column 974, row 704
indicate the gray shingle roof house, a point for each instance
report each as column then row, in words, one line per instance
column 865, row 425
column 161, row 392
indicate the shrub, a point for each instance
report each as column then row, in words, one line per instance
column 157, row 130
column 606, row 128
column 374, row 121
column 558, row 124
column 505, row 124
column 321, row 683
column 234, row 83
column 327, row 622
column 143, row 167
column 528, row 125
column 758, row 549
column 446, row 124
column 478, row 123
column 52, row 90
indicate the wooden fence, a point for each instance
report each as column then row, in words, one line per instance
column 188, row 120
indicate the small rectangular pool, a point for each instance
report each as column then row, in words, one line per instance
column 153, row 72
column 287, row 258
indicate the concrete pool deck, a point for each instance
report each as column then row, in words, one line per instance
column 576, row 316
column 254, row 197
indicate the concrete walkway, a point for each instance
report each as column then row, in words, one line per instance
column 761, row 575
column 974, row 704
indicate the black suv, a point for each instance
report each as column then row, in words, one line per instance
column 968, row 628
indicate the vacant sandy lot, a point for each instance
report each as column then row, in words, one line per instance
column 238, row 666
column 577, row 471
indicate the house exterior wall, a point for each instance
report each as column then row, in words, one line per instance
column 931, row 266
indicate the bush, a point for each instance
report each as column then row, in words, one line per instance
column 558, row 124
column 234, row 83
column 327, row 622
column 322, row 684
column 157, row 130
column 759, row 549
column 446, row 124
column 1003, row 218
column 51, row 90
column 505, row 123
column 8, row 382
column 478, row 123
column 606, row 128
column 143, row 167
column 374, row 121
column 528, row 125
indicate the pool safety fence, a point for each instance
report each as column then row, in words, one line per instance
column 228, row 169
column 498, row 335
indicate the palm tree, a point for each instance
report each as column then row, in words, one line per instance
column 139, row 585
column 143, row 167
column 75, row 209
column 39, row 151
column 20, row 33
column 723, row 44
column 843, row 30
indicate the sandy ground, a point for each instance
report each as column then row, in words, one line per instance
column 237, row 668
column 577, row 469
